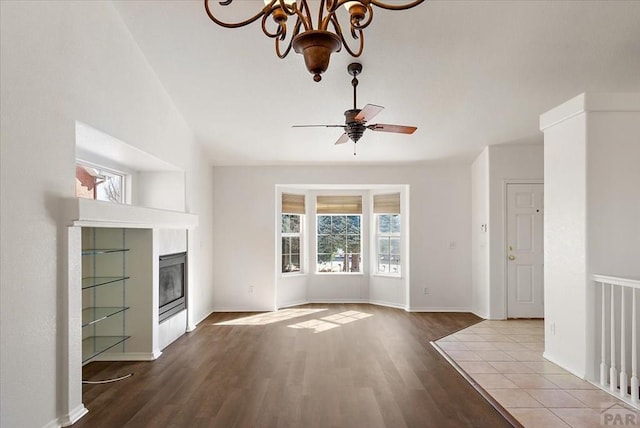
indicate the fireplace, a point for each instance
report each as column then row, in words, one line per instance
column 172, row 283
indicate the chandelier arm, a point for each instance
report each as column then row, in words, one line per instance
column 303, row 13
column 296, row 30
column 281, row 32
column 233, row 24
column 396, row 7
column 359, row 36
column 365, row 23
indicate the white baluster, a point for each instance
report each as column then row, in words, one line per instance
column 623, row 348
column 634, row 347
column 613, row 373
column 603, row 338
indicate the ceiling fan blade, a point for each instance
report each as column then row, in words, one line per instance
column 317, row 126
column 400, row 129
column 368, row 112
column 343, row 139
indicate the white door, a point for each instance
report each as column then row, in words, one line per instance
column 525, row 259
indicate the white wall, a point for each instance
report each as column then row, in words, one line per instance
column 480, row 237
column 64, row 62
column 507, row 163
column 244, row 252
column 592, row 206
column 491, row 171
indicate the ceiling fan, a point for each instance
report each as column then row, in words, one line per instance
column 356, row 119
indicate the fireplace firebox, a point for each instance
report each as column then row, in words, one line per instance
column 173, row 278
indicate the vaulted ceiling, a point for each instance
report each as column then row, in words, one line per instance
column 466, row 73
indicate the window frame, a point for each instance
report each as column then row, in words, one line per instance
column 360, row 235
column 388, row 235
column 300, row 236
column 124, row 180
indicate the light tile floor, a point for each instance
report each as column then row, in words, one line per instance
column 505, row 359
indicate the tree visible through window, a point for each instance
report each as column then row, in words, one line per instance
column 388, row 243
column 339, row 243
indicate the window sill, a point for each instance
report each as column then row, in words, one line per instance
column 340, row 273
column 292, row 274
column 388, row 275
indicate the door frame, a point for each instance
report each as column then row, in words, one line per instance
column 505, row 244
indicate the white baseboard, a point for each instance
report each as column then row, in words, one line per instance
column 330, row 301
column 237, row 309
column 387, row 304
column 436, row 309
column 290, row 304
column 129, row 356
column 546, row 356
column 73, row 416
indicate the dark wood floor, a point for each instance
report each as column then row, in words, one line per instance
column 378, row 371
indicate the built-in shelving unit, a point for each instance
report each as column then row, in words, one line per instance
column 104, row 291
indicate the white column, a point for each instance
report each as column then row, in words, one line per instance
column 623, row 347
column 613, row 373
column 603, row 338
column 634, row 347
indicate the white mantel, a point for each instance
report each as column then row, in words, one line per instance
column 90, row 213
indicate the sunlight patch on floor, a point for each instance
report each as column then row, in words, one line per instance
column 271, row 317
column 331, row 321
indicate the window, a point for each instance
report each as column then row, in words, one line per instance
column 339, row 243
column 101, row 184
column 293, row 209
column 339, row 238
column 386, row 209
column 388, row 243
column 291, row 242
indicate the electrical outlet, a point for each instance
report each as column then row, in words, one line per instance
column 251, row 289
column 426, row 290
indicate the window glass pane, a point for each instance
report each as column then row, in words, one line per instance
column 339, row 243
column 285, row 223
column 383, row 245
column 353, row 263
column 285, row 263
column 338, row 225
column 324, row 262
column 353, row 243
column 99, row 184
column 324, row 224
column 384, row 223
column 353, row 224
column 295, row 263
column 395, row 246
column 295, row 245
column 286, row 245
column 383, row 263
column 395, row 223
column 294, row 223
column 324, row 244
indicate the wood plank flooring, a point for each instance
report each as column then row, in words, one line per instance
column 344, row 365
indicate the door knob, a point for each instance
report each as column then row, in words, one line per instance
column 512, row 257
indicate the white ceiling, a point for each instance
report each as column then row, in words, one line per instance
column 466, row 73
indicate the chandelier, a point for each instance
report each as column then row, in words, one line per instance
column 315, row 42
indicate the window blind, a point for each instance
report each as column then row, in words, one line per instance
column 292, row 204
column 386, row 204
column 339, row 204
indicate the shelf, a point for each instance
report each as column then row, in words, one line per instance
column 96, row 251
column 93, row 315
column 96, row 281
column 96, row 345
